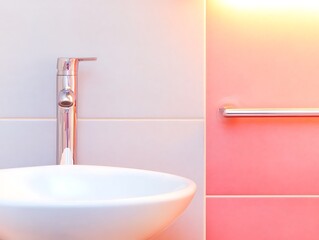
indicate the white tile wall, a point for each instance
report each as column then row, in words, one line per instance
column 175, row 146
column 27, row 142
column 141, row 104
column 150, row 56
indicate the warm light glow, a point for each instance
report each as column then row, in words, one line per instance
column 273, row 4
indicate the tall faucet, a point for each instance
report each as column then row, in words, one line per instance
column 67, row 76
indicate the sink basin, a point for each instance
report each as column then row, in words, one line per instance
column 89, row 202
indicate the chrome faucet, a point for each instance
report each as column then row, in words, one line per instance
column 67, row 76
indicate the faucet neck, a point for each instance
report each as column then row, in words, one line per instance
column 67, row 71
column 66, row 119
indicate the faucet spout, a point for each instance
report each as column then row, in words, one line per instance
column 66, row 98
column 67, row 71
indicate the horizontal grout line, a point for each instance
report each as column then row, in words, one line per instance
column 27, row 119
column 261, row 196
column 111, row 119
column 143, row 119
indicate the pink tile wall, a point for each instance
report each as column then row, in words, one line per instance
column 262, row 58
column 263, row 219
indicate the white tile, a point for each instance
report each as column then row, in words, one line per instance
column 170, row 146
column 150, row 57
column 190, row 225
column 27, row 143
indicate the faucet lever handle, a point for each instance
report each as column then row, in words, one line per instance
column 87, row 59
column 69, row 66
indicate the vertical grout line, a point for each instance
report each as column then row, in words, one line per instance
column 205, row 112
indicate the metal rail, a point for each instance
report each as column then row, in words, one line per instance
column 230, row 112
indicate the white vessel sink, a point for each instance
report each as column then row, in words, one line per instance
column 89, row 202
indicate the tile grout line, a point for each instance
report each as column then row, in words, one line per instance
column 27, row 119
column 205, row 121
column 111, row 119
column 261, row 196
column 143, row 119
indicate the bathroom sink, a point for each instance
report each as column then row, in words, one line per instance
column 79, row 202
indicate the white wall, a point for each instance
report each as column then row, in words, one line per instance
column 141, row 104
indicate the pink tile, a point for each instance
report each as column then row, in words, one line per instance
column 262, row 219
column 262, row 59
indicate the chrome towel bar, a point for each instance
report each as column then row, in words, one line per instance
column 230, row 112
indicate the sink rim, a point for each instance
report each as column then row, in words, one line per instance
column 188, row 191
